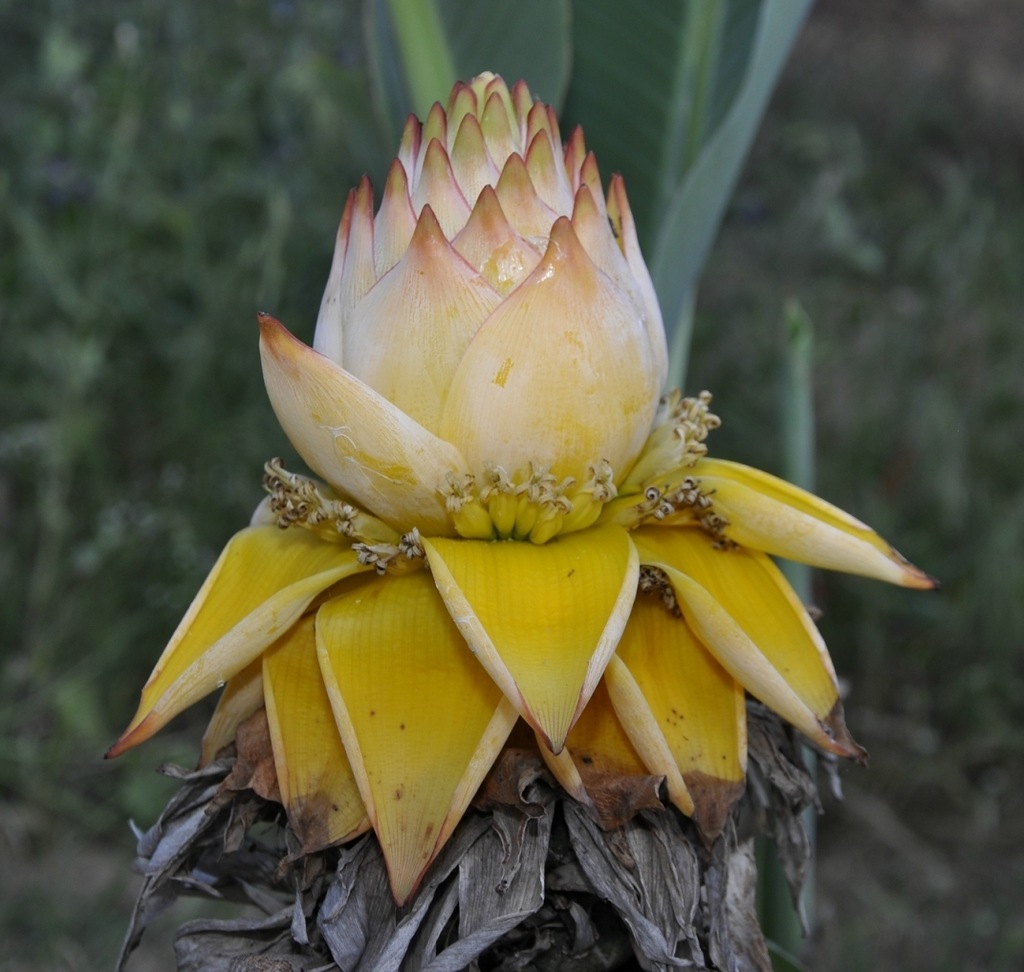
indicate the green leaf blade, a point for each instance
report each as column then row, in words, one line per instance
column 694, row 214
column 417, row 49
column 528, row 39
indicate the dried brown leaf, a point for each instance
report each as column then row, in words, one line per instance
column 736, row 943
column 780, row 790
column 239, row 945
column 254, row 767
column 648, row 870
column 618, row 799
column 528, row 881
column 517, row 779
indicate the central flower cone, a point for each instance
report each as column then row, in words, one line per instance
column 511, row 523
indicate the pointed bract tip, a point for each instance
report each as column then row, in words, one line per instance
column 564, row 247
column 397, row 179
column 841, row 742
column 584, row 207
column 713, row 798
column 436, row 124
column 271, row 329
column 136, row 733
column 280, row 344
column 554, row 744
column 364, row 194
column 914, row 577
column 403, row 888
column 520, row 91
column 409, row 145
column 589, row 172
column 577, row 144
column 428, row 230
column 461, row 100
column 618, row 205
column 489, row 208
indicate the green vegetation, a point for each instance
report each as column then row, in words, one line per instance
column 886, row 193
column 168, row 169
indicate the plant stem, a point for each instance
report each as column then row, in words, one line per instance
column 426, row 56
column 780, row 920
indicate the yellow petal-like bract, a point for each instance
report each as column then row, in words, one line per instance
column 512, row 522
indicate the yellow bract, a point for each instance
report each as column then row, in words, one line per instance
column 257, row 590
column 317, row 784
column 408, row 335
column 362, row 444
column 772, row 515
column 242, row 696
column 421, row 721
column 698, row 707
column 771, row 654
column 542, row 620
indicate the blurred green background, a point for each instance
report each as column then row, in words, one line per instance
column 166, row 170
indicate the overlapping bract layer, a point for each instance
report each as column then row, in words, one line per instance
column 512, row 526
column 495, row 288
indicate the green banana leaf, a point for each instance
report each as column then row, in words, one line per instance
column 670, row 94
column 417, row 49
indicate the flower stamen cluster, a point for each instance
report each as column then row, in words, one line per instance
column 654, row 582
column 535, row 507
column 681, row 426
column 300, row 501
column 393, row 558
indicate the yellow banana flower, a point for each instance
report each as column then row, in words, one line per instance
column 511, row 521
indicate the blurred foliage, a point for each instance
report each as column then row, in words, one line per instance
column 679, row 91
column 168, row 169
column 913, row 287
column 892, row 203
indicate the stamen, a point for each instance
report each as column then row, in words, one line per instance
column 390, row 558
column 299, row 501
column 548, row 524
column 527, row 512
column 657, row 487
column 411, row 546
column 379, row 556
column 537, row 507
column 468, row 513
column 677, row 438
column 654, row 582
column 500, row 496
column 688, row 503
column 683, row 505
column 541, row 501
column 590, row 499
